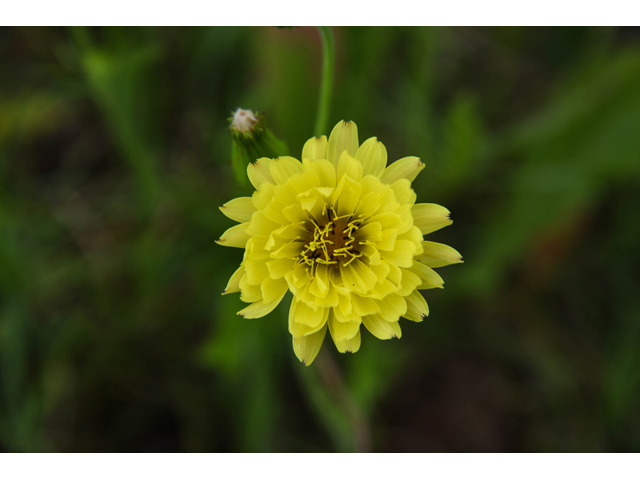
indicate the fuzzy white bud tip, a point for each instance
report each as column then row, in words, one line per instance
column 244, row 120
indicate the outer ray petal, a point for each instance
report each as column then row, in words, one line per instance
column 239, row 209
column 438, row 255
column 234, row 282
column 430, row 279
column 259, row 173
column 236, row 236
column 342, row 331
column 392, row 307
column 349, row 346
column 380, row 328
column 408, row 167
column 283, row 168
column 417, row 308
column 307, row 348
column 344, row 136
column 429, row 217
column 260, row 309
column 373, row 156
column 315, row 148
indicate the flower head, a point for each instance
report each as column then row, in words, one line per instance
column 342, row 232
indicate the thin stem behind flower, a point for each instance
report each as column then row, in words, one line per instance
column 326, row 87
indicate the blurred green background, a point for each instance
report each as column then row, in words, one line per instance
column 114, row 158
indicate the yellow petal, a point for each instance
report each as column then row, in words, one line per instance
column 373, row 156
column 347, row 196
column 392, row 307
column 344, row 136
column 340, row 316
column 402, row 254
column 406, row 219
column 234, row 282
column 307, row 348
column 256, row 270
column 289, row 250
column 305, row 315
column 403, row 191
column 272, row 288
column 357, row 276
column 324, row 169
column 294, row 213
column 260, row 225
column 259, row 173
column 364, row 306
column 299, row 313
column 410, row 281
column 239, row 209
column 430, row 279
column 320, row 284
column 349, row 346
column 429, row 217
column 283, row 168
column 236, row 236
column 342, row 331
column 369, row 204
column 387, row 239
column 249, row 293
column 407, row 167
column 279, row 267
column 329, row 300
column 372, row 232
column 260, row 309
column 380, row 328
column 387, row 219
column 315, row 148
column 417, row 308
column 262, row 197
column 348, row 165
column 438, row 255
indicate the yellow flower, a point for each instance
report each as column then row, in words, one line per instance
column 343, row 233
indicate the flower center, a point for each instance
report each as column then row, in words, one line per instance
column 333, row 241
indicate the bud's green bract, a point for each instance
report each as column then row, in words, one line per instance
column 251, row 139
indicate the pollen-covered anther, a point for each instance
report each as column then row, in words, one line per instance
column 334, row 242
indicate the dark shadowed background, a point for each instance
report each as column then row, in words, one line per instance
column 114, row 158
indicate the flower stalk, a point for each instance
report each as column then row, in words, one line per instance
column 326, row 86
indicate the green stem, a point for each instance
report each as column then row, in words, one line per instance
column 326, row 87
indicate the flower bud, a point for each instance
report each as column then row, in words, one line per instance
column 251, row 139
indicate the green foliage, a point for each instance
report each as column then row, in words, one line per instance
column 115, row 154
